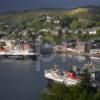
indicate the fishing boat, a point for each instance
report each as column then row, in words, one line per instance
column 65, row 77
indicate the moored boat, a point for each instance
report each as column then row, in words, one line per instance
column 67, row 78
column 19, row 54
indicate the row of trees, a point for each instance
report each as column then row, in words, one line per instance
column 47, row 37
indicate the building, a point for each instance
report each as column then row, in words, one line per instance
column 80, row 47
column 96, row 72
column 56, row 21
column 48, row 18
column 92, row 31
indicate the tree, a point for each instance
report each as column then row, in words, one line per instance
column 88, row 23
column 75, row 25
column 97, row 96
column 84, row 37
column 37, row 24
column 66, row 21
column 55, row 92
column 62, row 92
column 98, row 23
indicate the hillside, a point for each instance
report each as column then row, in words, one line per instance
column 83, row 12
column 80, row 12
column 19, row 16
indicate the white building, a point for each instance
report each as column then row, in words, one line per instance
column 56, row 21
column 45, row 30
column 48, row 19
column 92, row 31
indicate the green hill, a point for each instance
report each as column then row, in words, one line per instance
column 81, row 12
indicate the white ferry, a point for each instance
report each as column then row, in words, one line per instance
column 19, row 54
column 66, row 78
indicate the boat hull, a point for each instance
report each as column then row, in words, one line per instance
column 34, row 57
column 60, row 79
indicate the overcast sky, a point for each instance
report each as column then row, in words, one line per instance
column 9, row 5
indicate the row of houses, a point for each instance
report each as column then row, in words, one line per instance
column 92, row 47
column 55, row 20
column 66, row 30
column 90, row 31
column 55, row 31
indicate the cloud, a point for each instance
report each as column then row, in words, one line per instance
column 6, row 3
column 29, row 4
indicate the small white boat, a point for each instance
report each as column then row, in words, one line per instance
column 80, row 58
column 95, row 58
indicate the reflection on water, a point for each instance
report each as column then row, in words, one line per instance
column 19, row 80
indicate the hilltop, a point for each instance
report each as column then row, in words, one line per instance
column 81, row 12
column 28, row 14
column 85, row 11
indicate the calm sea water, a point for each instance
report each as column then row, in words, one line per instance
column 19, row 79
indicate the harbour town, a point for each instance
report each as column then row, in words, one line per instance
column 50, row 54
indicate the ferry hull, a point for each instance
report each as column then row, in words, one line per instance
column 60, row 79
column 33, row 57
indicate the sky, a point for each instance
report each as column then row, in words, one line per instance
column 13, row 5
